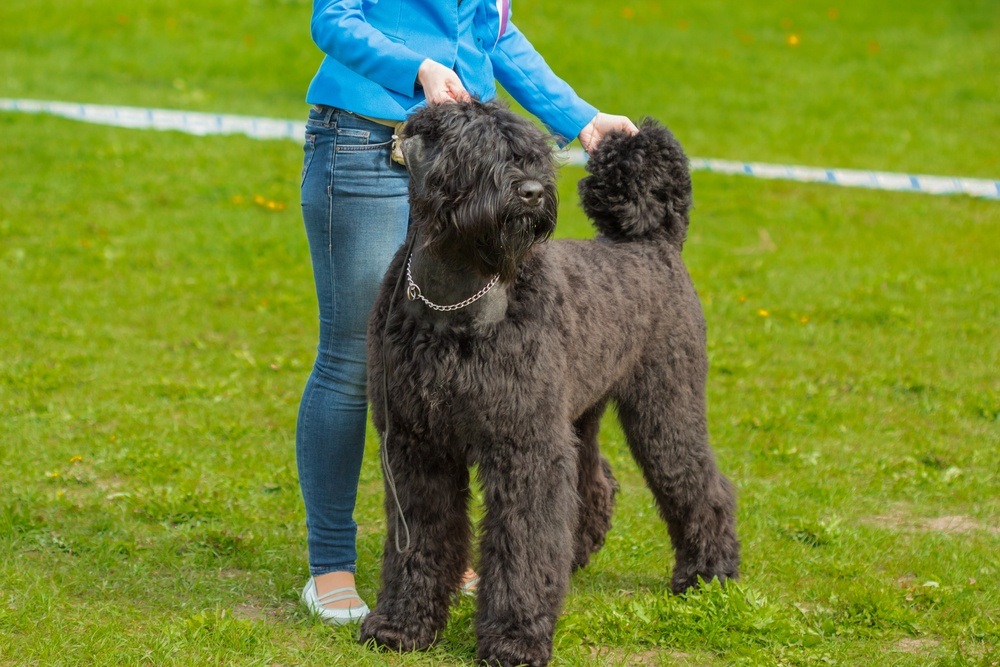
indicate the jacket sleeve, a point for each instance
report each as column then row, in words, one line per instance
column 527, row 77
column 341, row 31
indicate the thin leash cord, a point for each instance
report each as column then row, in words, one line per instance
column 390, row 479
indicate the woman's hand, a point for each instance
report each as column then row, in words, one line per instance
column 602, row 123
column 441, row 84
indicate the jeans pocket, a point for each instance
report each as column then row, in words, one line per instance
column 309, row 150
column 349, row 137
column 362, row 148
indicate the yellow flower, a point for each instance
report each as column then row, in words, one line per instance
column 793, row 40
column 75, row 459
column 763, row 313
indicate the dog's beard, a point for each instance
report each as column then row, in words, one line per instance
column 494, row 239
column 503, row 251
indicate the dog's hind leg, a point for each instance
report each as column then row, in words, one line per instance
column 596, row 486
column 529, row 492
column 418, row 584
column 662, row 410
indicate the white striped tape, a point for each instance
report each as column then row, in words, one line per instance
column 189, row 122
column 853, row 178
column 876, row 180
column 202, row 124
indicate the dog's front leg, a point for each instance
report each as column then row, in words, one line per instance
column 422, row 572
column 529, row 490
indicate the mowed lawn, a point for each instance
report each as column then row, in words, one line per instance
column 157, row 325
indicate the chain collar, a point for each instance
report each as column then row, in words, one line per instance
column 413, row 292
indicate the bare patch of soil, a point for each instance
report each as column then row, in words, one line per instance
column 915, row 646
column 949, row 525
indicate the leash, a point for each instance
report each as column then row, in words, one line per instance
column 390, row 479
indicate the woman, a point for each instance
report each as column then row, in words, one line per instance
column 384, row 59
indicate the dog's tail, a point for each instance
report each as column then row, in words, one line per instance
column 639, row 186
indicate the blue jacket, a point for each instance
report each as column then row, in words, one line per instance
column 374, row 48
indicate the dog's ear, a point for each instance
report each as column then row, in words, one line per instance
column 415, row 158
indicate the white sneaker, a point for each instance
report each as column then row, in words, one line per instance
column 316, row 604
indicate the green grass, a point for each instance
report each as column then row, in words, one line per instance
column 157, row 325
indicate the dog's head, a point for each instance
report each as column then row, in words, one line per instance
column 482, row 184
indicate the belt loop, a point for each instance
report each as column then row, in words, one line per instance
column 328, row 114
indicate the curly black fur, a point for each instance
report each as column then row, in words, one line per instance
column 640, row 186
column 517, row 381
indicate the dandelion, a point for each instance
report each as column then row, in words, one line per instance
column 763, row 313
column 793, row 40
column 75, row 459
column 269, row 204
column 804, row 319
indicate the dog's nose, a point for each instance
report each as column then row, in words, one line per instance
column 531, row 192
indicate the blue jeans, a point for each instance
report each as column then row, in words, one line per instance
column 356, row 209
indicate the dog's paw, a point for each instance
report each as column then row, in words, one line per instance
column 689, row 575
column 384, row 633
column 508, row 652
